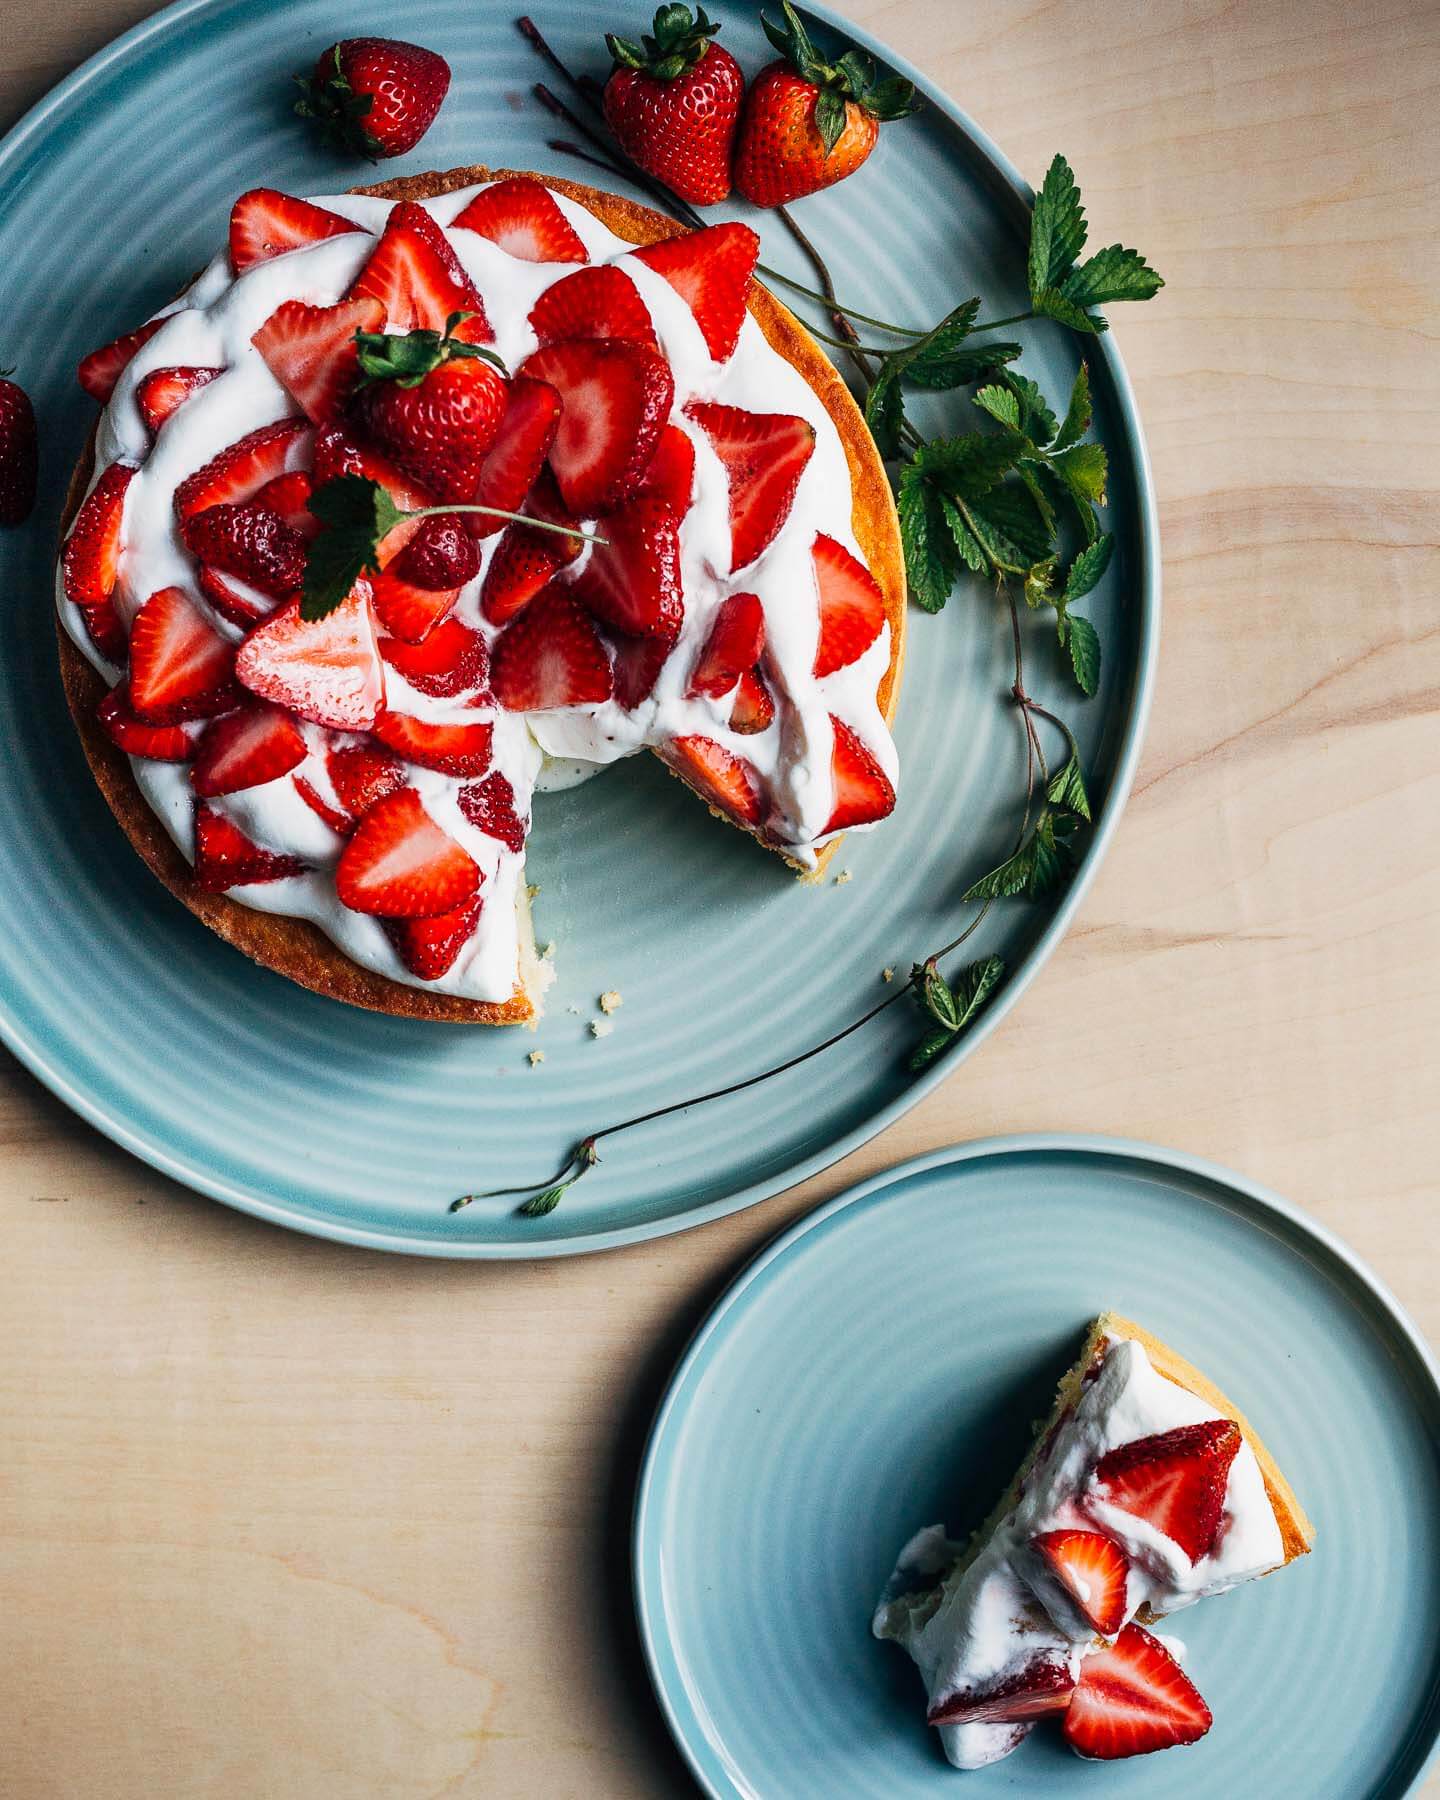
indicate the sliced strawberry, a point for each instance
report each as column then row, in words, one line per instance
column 163, row 391
column 311, row 352
column 336, row 453
column 852, row 608
column 489, row 805
column 246, row 749
column 632, row 581
column 326, row 670
column 599, row 302
column 266, row 223
column 526, row 560
column 671, row 474
column 340, row 823
column 101, row 369
column 180, row 666
column 104, row 630
column 136, row 736
column 1174, row 1480
column 523, row 219
column 407, row 611
column 764, row 456
column 226, row 858
column 234, row 599
column 710, row 270
column 862, row 788
column 550, row 656
column 614, row 398
column 1092, row 1570
column 418, row 278
column 723, row 779
column 637, row 662
column 238, row 473
column 452, row 749
column 401, row 865
column 249, row 541
column 428, row 947
column 289, row 495
column 1044, row 1685
column 360, row 776
column 736, row 640
column 90, row 564
column 515, row 459
column 452, row 660
column 1133, row 1697
column 754, row 708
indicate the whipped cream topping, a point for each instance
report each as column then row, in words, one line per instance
column 211, row 325
column 992, row 1618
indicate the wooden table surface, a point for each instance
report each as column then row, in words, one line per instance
column 279, row 1518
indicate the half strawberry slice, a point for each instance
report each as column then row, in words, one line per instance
column 1092, row 1570
column 550, row 656
column 734, row 645
column 764, row 454
column 138, row 737
column 401, row 865
column 1044, row 1685
column 311, row 351
column 453, row 749
column 428, row 947
column 239, row 472
column 710, row 270
column 265, row 223
column 226, row 858
column 632, row 581
column 514, row 461
column 723, row 779
column 164, row 391
column 326, row 670
column 852, row 608
column 90, row 563
column 418, row 278
column 1133, row 1697
column 523, row 218
column 101, row 369
column 863, row 792
column 615, row 397
column 599, row 302
column 246, row 749
column 1174, row 1480
column 180, row 665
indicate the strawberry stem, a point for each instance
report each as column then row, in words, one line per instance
column 499, row 512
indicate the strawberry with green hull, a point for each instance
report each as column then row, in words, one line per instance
column 433, row 403
column 673, row 102
column 807, row 123
column 373, row 96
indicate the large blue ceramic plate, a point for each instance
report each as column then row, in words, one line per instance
column 111, row 192
column 876, row 1370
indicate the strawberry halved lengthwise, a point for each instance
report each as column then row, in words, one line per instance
column 1133, row 1697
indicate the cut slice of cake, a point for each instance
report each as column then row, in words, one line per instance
column 1145, row 1490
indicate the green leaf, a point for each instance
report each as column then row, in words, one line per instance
column 1009, row 525
column 1050, row 303
column 1034, row 869
column 975, row 984
column 1037, row 422
column 934, row 995
column 1001, row 403
column 970, row 465
column 1083, row 644
column 1083, row 468
column 541, row 1205
column 1077, row 416
column 885, row 412
column 356, row 514
column 1057, row 229
column 1088, row 567
column 1065, row 501
column 958, row 368
column 830, row 116
column 929, row 1048
column 972, row 552
column 1067, row 789
column 1114, row 273
column 407, row 357
column 925, row 534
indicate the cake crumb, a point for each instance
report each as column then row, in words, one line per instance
column 601, row 1027
column 535, row 1058
column 533, row 890
column 842, row 878
column 546, row 952
column 887, row 974
column 610, row 1000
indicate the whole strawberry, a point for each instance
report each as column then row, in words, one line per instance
column 674, row 102
column 433, row 403
column 18, row 453
column 809, row 123
column 374, row 96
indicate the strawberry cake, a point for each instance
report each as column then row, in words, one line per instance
column 1146, row 1490
column 423, row 498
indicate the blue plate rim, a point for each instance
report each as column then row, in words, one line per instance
column 34, row 1053
column 669, row 1414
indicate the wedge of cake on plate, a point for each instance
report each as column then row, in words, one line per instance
column 1145, row 1491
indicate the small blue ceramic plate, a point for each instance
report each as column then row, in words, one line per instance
column 112, row 192
column 878, row 1368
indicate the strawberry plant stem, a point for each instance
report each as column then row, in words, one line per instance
column 498, row 512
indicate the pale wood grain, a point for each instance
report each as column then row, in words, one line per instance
column 284, row 1519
